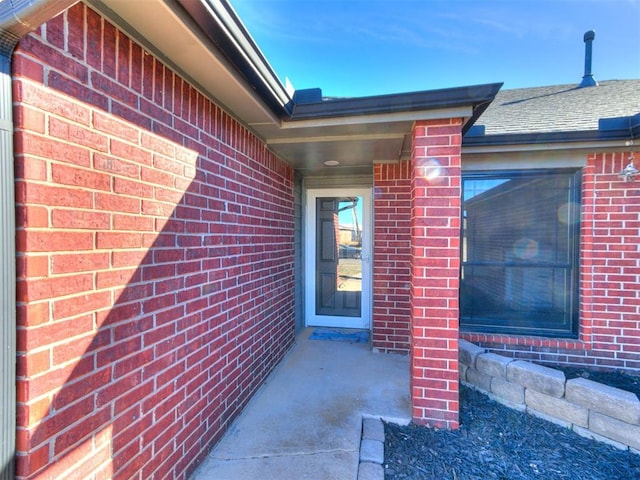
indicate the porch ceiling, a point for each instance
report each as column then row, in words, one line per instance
column 205, row 41
column 355, row 142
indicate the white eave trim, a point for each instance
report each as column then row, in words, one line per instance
column 247, row 46
column 336, row 138
column 435, row 114
column 536, row 147
column 163, row 46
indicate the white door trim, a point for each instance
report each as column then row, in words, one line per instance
column 311, row 319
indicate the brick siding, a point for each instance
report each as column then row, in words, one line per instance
column 155, row 259
column 392, row 257
column 416, row 267
column 435, row 270
column 609, row 336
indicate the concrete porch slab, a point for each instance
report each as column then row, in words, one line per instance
column 306, row 421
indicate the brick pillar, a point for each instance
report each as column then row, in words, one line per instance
column 435, row 270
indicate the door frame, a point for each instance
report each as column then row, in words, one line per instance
column 310, row 318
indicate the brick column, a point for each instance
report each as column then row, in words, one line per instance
column 435, row 267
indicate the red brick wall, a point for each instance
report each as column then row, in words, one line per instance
column 609, row 334
column 435, row 271
column 392, row 257
column 417, row 267
column 155, row 259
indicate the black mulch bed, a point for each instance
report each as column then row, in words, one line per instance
column 496, row 442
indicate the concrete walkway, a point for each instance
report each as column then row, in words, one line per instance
column 306, row 421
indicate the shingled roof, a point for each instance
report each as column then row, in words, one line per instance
column 613, row 105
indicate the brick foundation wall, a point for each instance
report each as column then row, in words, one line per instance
column 155, row 259
column 392, row 257
column 609, row 334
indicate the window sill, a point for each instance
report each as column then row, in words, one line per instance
column 522, row 340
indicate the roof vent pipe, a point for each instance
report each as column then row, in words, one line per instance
column 587, row 79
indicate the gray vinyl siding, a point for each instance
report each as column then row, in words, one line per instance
column 8, row 273
column 298, row 252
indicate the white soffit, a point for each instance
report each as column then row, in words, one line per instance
column 155, row 25
column 349, row 139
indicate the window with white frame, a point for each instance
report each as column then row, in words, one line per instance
column 520, row 242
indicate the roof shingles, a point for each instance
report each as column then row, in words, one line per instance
column 560, row 108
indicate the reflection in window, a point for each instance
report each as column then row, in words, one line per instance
column 349, row 245
column 520, row 240
column 338, row 256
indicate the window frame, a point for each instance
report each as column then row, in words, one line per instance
column 522, row 326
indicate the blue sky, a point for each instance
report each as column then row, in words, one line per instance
column 359, row 48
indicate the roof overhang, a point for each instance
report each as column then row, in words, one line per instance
column 359, row 132
column 612, row 133
column 205, row 41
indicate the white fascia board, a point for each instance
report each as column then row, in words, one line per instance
column 435, row 114
column 538, row 147
column 243, row 40
column 336, row 138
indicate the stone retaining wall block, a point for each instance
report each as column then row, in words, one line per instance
column 611, row 401
column 586, row 433
column 549, row 418
column 615, row 429
column 468, row 352
column 541, row 379
column 478, row 379
column 509, row 391
column 557, row 407
column 462, row 371
column 493, row 364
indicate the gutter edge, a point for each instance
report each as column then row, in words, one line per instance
column 19, row 17
column 220, row 24
column 476, row 96
column 550, row 137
